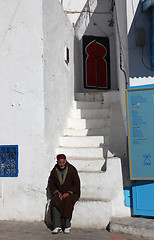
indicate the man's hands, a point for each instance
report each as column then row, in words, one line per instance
column 65, row 195
column 61, row 197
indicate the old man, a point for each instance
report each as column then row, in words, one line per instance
column 64, row 185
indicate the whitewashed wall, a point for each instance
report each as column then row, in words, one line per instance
column 58, row 76
column 36, row 91
column 21, row 104
column 119, row 129
column 139, row 57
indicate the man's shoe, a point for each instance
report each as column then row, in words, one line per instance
column 67, row 230
column 57, row 230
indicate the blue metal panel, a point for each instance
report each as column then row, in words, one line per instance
column 128, row 196
column 143, row 198
column 140, row 115
column 8, row 161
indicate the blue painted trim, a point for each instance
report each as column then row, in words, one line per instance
column 141, row 87
column 128, row 196
column 127, row 114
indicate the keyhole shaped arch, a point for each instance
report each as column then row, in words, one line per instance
column 96, row 64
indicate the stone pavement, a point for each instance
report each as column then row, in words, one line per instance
column 12, row 230
column 141, row 227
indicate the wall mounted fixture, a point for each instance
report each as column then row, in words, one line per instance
column 66, row 55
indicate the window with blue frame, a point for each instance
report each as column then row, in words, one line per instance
column 8, row 161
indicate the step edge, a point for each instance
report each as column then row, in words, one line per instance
column 66, row 147
column 93, row 200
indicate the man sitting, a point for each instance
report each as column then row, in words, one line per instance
column 64, row 185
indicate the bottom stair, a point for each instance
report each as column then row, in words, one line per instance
column 91, row 214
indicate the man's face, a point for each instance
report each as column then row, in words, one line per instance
column 62, row 163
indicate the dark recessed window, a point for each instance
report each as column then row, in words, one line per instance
column 67, row 55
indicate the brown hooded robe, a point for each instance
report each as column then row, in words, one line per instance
column 70, row 183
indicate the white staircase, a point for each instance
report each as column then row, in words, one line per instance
column 86, row 145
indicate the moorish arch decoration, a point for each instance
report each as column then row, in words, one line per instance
column 96, row 60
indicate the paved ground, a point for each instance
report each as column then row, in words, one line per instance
column 10, row 230
column 137, row 226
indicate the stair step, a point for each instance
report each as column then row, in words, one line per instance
column 88, row 105
column 84, row 152
column 92, row 200
column 85, row 142
column 87, row 123
column 90, row 113
column 88, row 141
column 92, row 97
column 91, row 214
column 106, row 97
column 87, row 132
column 87, row 164
column 98, row 191
column 100, row 185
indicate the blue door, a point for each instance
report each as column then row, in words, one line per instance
column 143, row 198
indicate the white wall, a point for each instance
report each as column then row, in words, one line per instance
column 21, row 104
column 74, row 8
column 58, row 76
column 139, row 57
column 120, row 133
column 36, row 92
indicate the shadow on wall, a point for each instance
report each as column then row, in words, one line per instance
column 47, row 216
column 140, row 56
column 94, row 21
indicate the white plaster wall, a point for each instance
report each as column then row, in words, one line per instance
column 37, row 89
column 74, row 8
column 58, row 76
column 139, row 57
column 122, row 72
column 22, row 108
